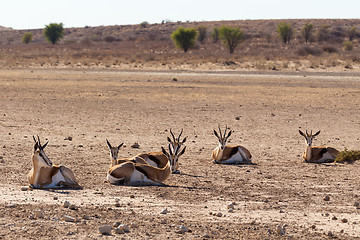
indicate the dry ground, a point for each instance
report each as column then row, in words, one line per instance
column 129, row 107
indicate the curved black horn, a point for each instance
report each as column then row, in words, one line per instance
column 34, row 138
column 226, row 128
column 220, row 131
column 172, row 135
column 39, row 141
column 170, row 152
column 180, row 135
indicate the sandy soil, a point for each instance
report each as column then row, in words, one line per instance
column 125, row 106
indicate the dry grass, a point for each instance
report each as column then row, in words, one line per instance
column 348, row 156
column 134, row 47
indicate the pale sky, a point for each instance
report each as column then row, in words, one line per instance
column 31, row 14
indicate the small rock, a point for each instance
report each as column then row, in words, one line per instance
column 134, row 225
column 219, row 214
column 330, row 234
column 66, row 204
column 280, row 230
column 39, row 213
column 69, row 218
column 24, row 188
column 313, row 226
column 105, row 230
column 230, row 206
column 181, row 229
column 164, row 211
column 164, row 221
column 344, row 220
column 237, row 118
column 124, row 227
column 206, row 235
column 334, row 218
column 86, row 217
column 356, row 204
column 132, row 196
column 327, row 198
column 135, row 145
column 55, row 198
column 72, row 207
column 2, row 161
column 119, row 231
column 231, row 210
column 1, row 157
column 175, row 79
column 117, row 204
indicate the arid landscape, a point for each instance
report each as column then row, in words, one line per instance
column 77, row 102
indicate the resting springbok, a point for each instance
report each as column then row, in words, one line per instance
column 46, row 175
column 319, row 154
column 114, row 152
column 139, row 173
column 229, row 154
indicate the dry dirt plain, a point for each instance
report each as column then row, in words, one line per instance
column 264, row 110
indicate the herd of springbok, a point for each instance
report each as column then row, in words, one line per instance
column 155, row 167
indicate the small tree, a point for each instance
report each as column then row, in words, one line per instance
column 27, row 38
column 323, row 33
column 352, row 33
column 215, row 35
column 307, row 31
column 285, row 32
column 184, row 38
column 231, row 37
column 202, row 34
column 54, row 32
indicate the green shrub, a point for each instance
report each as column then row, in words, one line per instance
column 109, row 39
column 184, row 38
column 348, row 156
column 307, row 50
column 306, row 32
column 231, row 37
column 215, row 35
column 202, row 34
column 27, row 37
column 348, row 45
column 285, row 32
column 352, row 33
column 54, row 32
column 323, row 33
column 144, row 24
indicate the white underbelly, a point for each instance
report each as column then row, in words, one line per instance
column 58, row 177
column 112, row 179
column 139, row 177
column 236, row 158
column 326, row 157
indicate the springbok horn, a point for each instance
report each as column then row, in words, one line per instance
column 220, row 132
column 34, row 138
column 180, row 135
column 39, row 141
column 172, row 135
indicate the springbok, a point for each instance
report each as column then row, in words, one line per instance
column 318, row 154
column 229, row 154
column 46, row 175
column 159, row 159
column 138, row 173
column 114, row 152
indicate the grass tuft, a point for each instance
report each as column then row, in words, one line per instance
column 348, row 156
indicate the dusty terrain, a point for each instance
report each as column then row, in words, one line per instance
column 264, row 110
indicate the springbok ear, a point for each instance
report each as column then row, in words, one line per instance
column 44, row 146
column 229, row 134
column 182, row 152
column 169, row 140
column 316, row 133
column 216, row 134
column 184, row 140
column 107, row 142
column 120, row 145
column 301, row 133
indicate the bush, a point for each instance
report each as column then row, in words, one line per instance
column 348, row 45
column 202, row 34
column 306, row 32
column 348, row 156
column 109, row 39
column 285, row 32
column 306, row 50
column 330, row 49
column 144, row 24
column 215, row 35
column 352, row 33
column 323, row 33
column 184, row 38
column 231, row 37
column 27, row 38
column 54, row 32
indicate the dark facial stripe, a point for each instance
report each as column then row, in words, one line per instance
column 154, row 159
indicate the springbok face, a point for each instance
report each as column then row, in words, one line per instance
column 308, row 137
column 222, row 138
column 175, row 142
column 173, row 158
column 39, row 154
column 114, row 151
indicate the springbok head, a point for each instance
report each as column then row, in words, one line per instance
column 222, row 138
column 39, row 155
column 173, row 158
column 308, row 137
column 114, row 151
column 175, row 142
